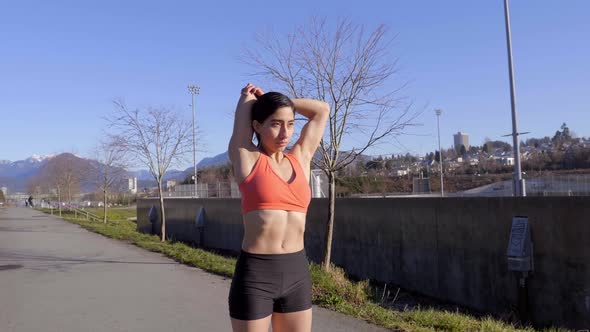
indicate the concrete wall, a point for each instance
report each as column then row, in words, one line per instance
column 452, row 249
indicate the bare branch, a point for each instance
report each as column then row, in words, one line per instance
column 350, row 70
column 154, row 137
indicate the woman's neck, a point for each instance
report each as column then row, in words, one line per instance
column 275, row 155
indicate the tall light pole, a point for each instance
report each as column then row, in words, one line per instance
column 518, row 182
column 194, row 90
column 440, row 156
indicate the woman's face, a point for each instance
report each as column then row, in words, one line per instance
column 276, row 131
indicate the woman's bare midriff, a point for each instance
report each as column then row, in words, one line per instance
column 273, row 231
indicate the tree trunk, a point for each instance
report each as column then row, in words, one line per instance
column 69, row 196
column 59, row 200
column 330, row 225
column 104, row 208
column 163, row 218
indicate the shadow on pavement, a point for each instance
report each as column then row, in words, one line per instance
column 82, row 260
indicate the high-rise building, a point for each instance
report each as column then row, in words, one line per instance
column 461, row 139
column 132, row 187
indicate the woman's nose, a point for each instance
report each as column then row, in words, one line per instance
column 283, row 132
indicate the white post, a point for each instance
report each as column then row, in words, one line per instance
column 518, row 182
column 194, row 90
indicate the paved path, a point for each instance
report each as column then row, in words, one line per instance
column 57, row 277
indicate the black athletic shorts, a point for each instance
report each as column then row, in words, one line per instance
column 267, row 283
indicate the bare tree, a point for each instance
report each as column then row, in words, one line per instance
column 348, row 69
column 71, row 181
column 109, row 168
column 43, row 184
column 155, row 137
column 61, row 175
column 33, row 187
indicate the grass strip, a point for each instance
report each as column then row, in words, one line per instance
column 331, row 290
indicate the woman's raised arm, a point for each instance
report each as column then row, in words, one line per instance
column 242, row 132
column 318, row 113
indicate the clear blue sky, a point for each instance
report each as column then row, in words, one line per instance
column 62, row 62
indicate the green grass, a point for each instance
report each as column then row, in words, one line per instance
column 115, row 213
column 121, row 213
column 332, row 290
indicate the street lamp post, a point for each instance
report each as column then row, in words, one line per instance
column 194, row 90
column 440, row 156
column 518, row 182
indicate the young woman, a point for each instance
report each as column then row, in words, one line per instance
column 271, row 282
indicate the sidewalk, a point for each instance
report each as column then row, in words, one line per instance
column 56, row 276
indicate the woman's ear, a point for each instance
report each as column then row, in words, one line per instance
column 256, row 125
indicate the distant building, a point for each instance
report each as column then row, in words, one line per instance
column 132, row 187
column 171, row 184
column 4, row 190
column 461, row 139
column 507, row 161
column 400, row 171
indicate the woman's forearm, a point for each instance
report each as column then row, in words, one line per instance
column 311, row 108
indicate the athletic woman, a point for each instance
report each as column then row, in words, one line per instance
column 271, row 283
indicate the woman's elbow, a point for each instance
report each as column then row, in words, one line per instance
column 325, row 108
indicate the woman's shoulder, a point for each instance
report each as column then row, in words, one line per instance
column 244, row 164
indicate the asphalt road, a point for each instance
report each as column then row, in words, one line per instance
column 57, row 277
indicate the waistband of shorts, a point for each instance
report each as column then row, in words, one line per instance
column 273, row 257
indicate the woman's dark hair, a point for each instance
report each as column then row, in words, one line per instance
column 266, row 105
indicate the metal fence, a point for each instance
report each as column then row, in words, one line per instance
column 546, row 185
column 552, row 185
column 205, row 190
column 559, row 185
column 221, row 189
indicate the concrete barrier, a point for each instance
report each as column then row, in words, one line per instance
column 453, row 249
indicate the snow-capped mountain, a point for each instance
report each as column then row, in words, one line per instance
column 22, row 168
column 39, row 158
column 15, row 174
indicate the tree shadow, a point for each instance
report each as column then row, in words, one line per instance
column 49, row 262
column 10, row 267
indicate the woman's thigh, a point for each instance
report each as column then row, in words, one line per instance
column 299, row 321
column 258, row 325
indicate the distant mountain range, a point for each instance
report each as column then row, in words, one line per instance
column 218, row 160
column 16, row 175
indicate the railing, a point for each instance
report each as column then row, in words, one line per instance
column 77, row 211
column 224, row 189
column 205, row 190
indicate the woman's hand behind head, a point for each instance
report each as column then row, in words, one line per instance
column 252, row 91
column 247, row 89
column 258, row 92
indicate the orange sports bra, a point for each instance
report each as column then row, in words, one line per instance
column 264, row 189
